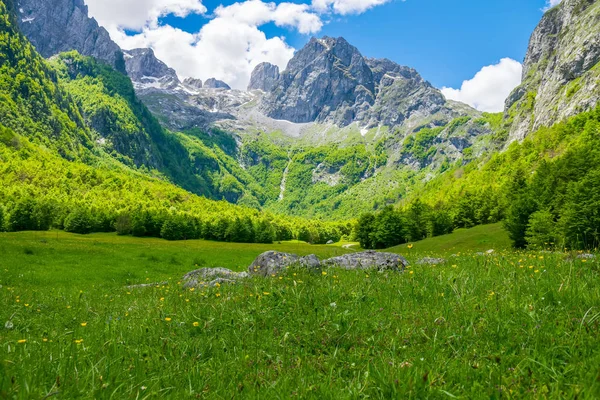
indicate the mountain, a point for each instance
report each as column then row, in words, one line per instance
column 264, row 76
column 329, row 81
column 213, row 83
column 145, row 69
column 561, row 73
column 58, row 171
column 56, row 26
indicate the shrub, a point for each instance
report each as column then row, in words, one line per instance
column 541, row 229
column 79, row 221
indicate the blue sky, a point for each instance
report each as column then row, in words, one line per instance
column 446, row 41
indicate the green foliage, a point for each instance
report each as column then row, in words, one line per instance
column 420, row 144
column 457, row 122
column 79, row 221
column 541, row 230
column 548, row 179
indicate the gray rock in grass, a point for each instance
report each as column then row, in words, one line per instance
column 368, row 260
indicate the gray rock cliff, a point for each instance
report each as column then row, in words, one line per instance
column 213, row 83
column 264, row 77
column 561, row 72
column 144, row 68
column 56, row 26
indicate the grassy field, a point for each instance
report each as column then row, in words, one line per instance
column 477, row 239
column 510, row 325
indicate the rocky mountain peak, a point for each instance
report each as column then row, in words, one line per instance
column 561, row 72
column 213, row 83
column 330, row 81
column 145, row 69
column 193, row 83
column 56, row 26
column 264, row 77
column 327, row 80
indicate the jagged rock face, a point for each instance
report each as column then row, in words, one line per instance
column 145, row 69
column 401, row 93
column 56, row 26
column 213, row 83
column 264, row 77
column 192, row 83
column 561, row 73
column 326, row 81
column 330, row 81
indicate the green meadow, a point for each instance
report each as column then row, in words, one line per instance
column 507, row 325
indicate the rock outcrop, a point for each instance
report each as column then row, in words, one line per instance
column 210, row 277
column 368, row 260
column 192, row 83
column 264, row 77
column 274, row 262
column 145, row 69
column 56, row 26
column 213, row 83
column 561, row 73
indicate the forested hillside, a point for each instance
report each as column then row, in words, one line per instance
column 72, row 136
column 546, row 189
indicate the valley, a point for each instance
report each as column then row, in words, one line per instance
column 339, row 227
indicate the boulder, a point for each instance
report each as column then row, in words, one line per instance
column 368, row 260
column 330, row 242
column 210, row 277
column 273, row 262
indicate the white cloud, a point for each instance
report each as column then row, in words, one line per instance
column 551, row 3
column 230, row 45
column 490, row 87
column 345, row 7
column 135, row 14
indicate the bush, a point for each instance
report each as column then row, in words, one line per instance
column 123, row 224
column 541, row 230
column 79, row 221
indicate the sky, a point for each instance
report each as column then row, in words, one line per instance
column 470, row 49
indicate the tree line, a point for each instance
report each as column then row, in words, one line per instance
column 31, row 214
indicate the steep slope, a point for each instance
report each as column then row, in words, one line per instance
column 264, row 77
column 33, row 104
column 561, row 74
column 55, row 173
column 328, row 80
column 144, row 68
column 56, row 26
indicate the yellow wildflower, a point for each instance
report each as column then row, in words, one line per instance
column 196, row 324
column 84, row 324
column 410, row 246
column 168, row 319
column 22, row 341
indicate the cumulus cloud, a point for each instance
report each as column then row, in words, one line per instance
column 490, row 87
column 135, row 14
column 345, row 7
column 228, row 47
